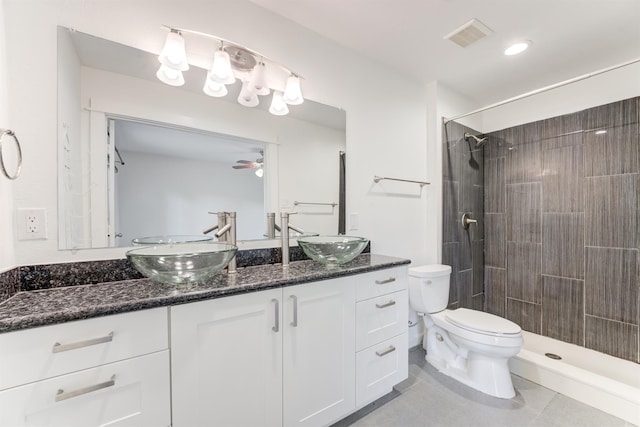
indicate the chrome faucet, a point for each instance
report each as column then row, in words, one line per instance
column 284, row 235
column 226, row 233
column 272, row 227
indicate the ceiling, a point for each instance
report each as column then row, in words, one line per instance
column 570, row 38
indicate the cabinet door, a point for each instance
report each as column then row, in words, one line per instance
column 319, row 352
column 131, row 393
column 226, row 361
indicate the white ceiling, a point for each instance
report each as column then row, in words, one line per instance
column 570, row 38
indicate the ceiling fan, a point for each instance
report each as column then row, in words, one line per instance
column 248, row 164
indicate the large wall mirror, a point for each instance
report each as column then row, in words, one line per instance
column 139, row 158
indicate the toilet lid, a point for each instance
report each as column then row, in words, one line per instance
column 482, row 322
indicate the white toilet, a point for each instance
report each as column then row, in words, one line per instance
column 469, row 345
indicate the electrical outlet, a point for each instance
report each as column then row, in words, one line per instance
column 32, row 224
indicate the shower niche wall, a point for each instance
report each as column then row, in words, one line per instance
column 556, row 249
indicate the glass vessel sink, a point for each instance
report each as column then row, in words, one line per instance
column 163, row 240
column 332, row 250
column 182, row 263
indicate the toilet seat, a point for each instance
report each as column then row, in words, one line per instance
column 481, row 322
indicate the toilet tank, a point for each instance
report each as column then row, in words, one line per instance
column 429, row 287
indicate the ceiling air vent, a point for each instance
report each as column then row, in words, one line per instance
column 469, row 33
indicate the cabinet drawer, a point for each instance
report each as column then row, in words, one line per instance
column 379, row 368
column 40, row 353
column 134, row 392
column 378, row 319
column 381, row 282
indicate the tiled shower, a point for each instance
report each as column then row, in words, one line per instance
column 556, row 248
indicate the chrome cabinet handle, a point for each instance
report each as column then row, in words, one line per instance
column 295, row 310
column 57, row 347
column 61, row 395
column 276, row 322
column 388, row 304
column 385, row 281
column 386, row 351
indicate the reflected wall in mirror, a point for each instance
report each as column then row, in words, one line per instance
column 179, row 148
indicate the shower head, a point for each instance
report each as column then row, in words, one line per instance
column 480, row 140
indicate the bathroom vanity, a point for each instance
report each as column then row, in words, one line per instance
column 306, row 345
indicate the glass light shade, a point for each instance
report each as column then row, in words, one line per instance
column 292, row 92
column 248, row 97
column 214, row 89
column 259, row 79
column 170, row 76
column 278, row 106
column 173, row 54
column 259, row 173
column 221, row 71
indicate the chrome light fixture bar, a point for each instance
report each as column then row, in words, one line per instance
column 232, row 61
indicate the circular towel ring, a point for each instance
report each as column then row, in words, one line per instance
column 9, row 132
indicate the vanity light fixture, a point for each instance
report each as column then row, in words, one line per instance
column 259, row 75
column 517, row 48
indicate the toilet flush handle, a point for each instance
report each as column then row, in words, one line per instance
column 467, row 220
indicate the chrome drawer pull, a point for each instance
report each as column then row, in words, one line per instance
column 57, row 347
column 388, row 304
column 276, row 326
column 295, row 310
column 386, row 351
column 61, row 395
column 385, row 281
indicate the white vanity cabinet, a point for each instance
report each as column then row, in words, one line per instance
column 269, row 358
column 381, row 332
column 111, row 370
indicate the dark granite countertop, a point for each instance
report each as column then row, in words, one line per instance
column 57, row 305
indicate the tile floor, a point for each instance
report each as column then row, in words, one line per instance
column 428, row 398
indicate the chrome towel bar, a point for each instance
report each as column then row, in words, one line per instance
column 377, row 178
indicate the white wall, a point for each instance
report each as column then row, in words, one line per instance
column 616, row 85
column 386, row 132
column 7, row 260
column 160, row 195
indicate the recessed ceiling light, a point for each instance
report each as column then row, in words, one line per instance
column 517, row 48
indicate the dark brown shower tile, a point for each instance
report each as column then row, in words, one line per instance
column 563, row 245
column 611, row 283
column 464, row 249
column 524, row 208
column 524, row 163
column 477, row 264
column 471, row 195
column 495, row 190
column 496, row 145
column 450, row 257
column 477, row 302
column 611, row 211
column 495, row 240
column 561, row 125
column 563, row 309
column 450, row 209
column 495, row 280
column 612, row 153
column 614, row 114
column 525, row 314
column 524, row 280
column 563, row 177
column 465, row 288
column 611, row 337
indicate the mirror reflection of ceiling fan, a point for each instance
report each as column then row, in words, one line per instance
column 248, row 164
